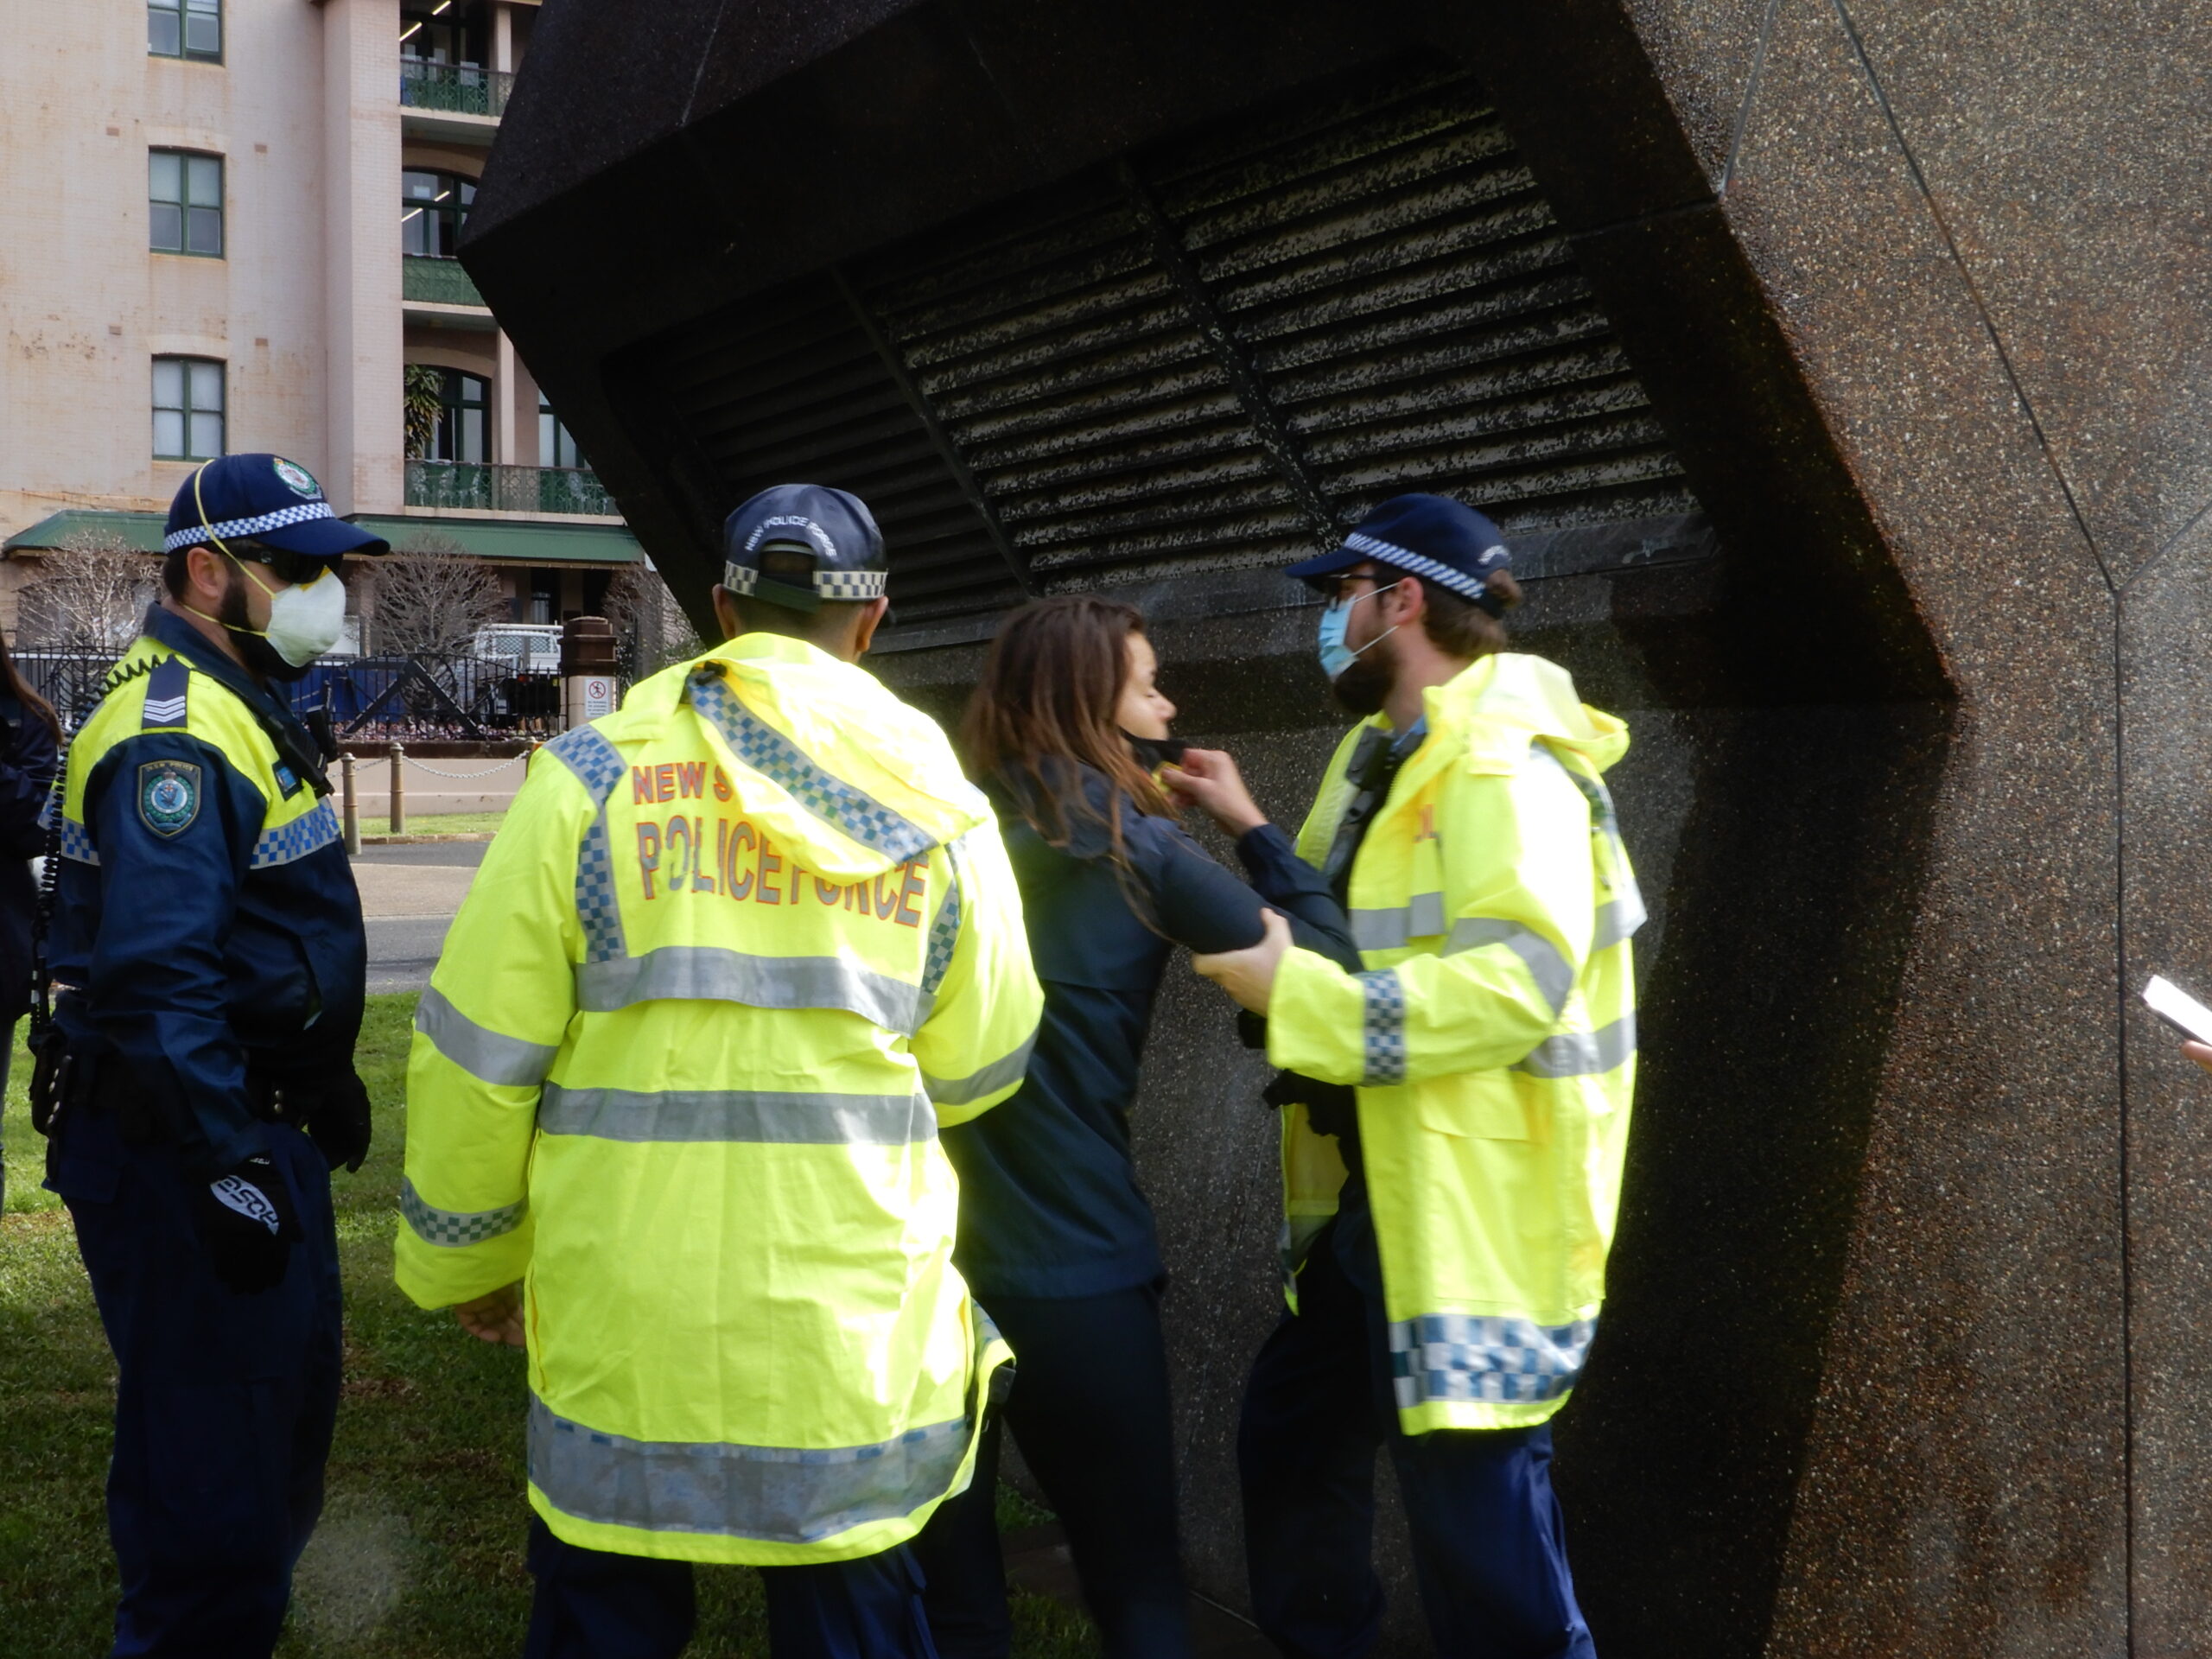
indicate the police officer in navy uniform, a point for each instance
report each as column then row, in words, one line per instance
column 198, row 1086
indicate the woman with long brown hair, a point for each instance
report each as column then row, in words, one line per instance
column 1066, row 732
column 30, row 744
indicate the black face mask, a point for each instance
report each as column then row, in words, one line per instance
column 1154, row 752
column 262, row 658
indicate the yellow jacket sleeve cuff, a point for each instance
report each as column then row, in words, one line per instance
column 1316, row 1016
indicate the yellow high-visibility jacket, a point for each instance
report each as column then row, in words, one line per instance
column 738, row 951
column 1492, row 1037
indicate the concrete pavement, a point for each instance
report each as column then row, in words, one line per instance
column 409, row 895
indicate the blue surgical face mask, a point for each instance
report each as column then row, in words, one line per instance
column 1336, row 656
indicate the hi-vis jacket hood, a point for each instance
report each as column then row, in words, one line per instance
column 817, row 704
column 1491, row 1036
column 738, row 951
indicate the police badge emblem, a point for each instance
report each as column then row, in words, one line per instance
column 169, row 796
column 299, row 480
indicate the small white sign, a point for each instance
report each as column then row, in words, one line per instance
column 599, row 695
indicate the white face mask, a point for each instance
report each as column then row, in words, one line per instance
column 306, row 621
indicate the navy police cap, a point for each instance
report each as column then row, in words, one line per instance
column 264, row 498
column 1431, row 537
column 834, row 526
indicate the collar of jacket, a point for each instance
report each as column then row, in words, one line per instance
column 1484, row 719
column 169, row 629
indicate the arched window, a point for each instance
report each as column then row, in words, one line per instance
column 434, row 206
column 557, row 445
column 463, row 400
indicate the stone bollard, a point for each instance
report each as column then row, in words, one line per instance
column 353, row 805
column 398, row 809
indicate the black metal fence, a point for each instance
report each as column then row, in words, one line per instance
column 373, row 697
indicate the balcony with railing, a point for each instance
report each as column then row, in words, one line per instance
column 454, row 88
column 475, row 487
column 436, row 281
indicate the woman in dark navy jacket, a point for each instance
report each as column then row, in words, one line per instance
column 30, row 740
column 1056, row 1238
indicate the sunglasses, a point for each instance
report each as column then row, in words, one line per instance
column 297, row 569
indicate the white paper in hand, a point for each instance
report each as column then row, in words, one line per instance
column 2178, row 1008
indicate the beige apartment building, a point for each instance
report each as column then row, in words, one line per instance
column 229, row 226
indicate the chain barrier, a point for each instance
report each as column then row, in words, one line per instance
column 440, row 771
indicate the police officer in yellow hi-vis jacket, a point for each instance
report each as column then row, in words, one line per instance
column 1454, row 1116
column 673, row 1108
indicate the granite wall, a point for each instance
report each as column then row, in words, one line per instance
column 1905, row 1351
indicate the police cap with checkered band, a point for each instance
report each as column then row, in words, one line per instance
column 264, row 498
column 1431, row 536
column 798, row 546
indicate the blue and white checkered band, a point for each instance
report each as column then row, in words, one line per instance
column 1420, row 564
column 245, row 527
column 830, row 584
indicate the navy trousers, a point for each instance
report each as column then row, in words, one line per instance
column 224, row 1403
column 1490, row 1551
column 592, row 1603
column 1091, row 1411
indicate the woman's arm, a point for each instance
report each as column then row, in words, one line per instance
column 25, row 780
column 1209, row 778
column 1197, row 903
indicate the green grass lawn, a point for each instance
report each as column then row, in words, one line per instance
column 438, row 823
column 419, row 1555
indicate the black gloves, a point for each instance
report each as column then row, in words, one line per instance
column 335, row 1112
column 247, row 1222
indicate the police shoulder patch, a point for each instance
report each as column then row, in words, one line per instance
column 169, row 796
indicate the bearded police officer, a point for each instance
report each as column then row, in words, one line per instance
column 1454, row 1113
column 673, row 1111
column 198, row 1083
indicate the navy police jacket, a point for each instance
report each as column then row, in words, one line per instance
column 206, row 917
column 1050, row 1204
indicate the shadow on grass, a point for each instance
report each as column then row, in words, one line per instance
column 419, row 1555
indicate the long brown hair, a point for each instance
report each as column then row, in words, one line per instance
column 1046, row 706
column 20, row 688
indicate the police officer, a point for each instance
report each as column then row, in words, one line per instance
column 672, row 1112
column 200, row 1087
column 1454, row 1113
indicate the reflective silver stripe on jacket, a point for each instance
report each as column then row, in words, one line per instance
column 451, row 1229
column 709, row 973
column 1554, row 977
column 1382, row 1026
column 737, row 1117
column 1618, row 920
column 486, row 1055
column 998, row 1074
column 851, row 810
column 789, row 1495
column 1477, row 1356
column 1386, row 928
column 1583, row 1053
column 599, row 767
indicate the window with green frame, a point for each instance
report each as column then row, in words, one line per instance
column 188, row 407
column 185, row 195
column 185, row 29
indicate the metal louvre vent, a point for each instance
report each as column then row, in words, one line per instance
column 1213, row 355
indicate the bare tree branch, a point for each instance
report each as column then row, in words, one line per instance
column 431, row 597
column 90, row 595
column 650, row 630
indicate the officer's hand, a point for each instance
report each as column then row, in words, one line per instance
column 1250, row 975
column 247, row 1222
column 495, row 1318
column 2201, row 1052
column 338, row 1121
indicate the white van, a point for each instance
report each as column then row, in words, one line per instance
column 521, row 647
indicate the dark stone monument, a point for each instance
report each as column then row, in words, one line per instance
column 1837, row 368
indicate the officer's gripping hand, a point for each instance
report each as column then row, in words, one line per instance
column 337, row 1119
column 247, row 1222
column 1250, row 975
